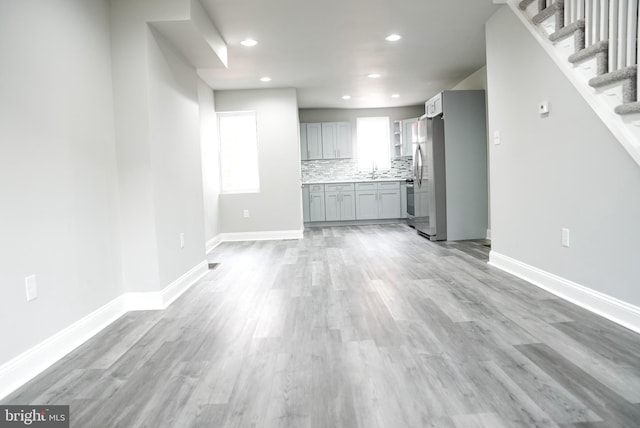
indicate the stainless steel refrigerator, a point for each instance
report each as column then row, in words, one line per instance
column 450, row 168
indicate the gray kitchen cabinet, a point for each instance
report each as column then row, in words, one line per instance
column 403, row 199
column 366, row 204
column 339, row 202
column 343, row 139
column 314, row 140
column 316, row 202
column 305, row 203
column 332, row 206
column 326, row 140
column 348, row 206
column 389, row 200
column 378, row 200
column 329, row 137
column 336, row 140
column 304, row 149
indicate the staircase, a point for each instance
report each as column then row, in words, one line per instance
column 596, row 42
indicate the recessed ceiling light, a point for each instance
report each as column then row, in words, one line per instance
column 346, row 97
column 393, row 37
column 265, row 79
column 395, row 96
column 248, row 42
column 374, row 75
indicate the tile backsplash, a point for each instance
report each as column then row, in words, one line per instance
column 347, row 169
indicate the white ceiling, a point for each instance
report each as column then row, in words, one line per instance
column 326, row 48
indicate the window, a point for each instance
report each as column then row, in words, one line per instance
column 238, row 152
column 373, row 143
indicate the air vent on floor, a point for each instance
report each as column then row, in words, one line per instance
column 212, row 266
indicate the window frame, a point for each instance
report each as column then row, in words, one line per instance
column 360, row 147
column 237, row 190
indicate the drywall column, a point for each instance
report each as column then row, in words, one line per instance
column 210, row 163
column 157, row 122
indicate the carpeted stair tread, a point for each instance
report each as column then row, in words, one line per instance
column 628, row 76
column 525, row 3
column 628, row 108
column 614, row 77
column 567, row 31
column 590, row 52
column 548, row 12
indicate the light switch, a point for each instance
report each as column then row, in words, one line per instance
column 496, row 137
column 31, row 287
column 565, row 237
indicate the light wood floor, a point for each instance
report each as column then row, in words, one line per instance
column 351, row 327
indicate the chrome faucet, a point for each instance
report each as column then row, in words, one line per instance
column 374, row 168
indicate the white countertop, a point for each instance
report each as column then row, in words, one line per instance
column 355, row 180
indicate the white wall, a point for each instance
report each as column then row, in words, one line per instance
column 174, row 140
column 58, row 183
column 476, row 80
column 563, row 171
column 278, row 205
column 159, row 165
column 210, row 162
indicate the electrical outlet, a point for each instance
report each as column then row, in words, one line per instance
column 32, row 287
column 245, row 213
column 565, row 237
column 543, row 108
column 182, row 240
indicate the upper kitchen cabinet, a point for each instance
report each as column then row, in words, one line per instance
column 313, row 139
column 336, row 140
column 304, row 150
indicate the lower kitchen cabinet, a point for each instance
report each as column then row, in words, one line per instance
column 378, row 200
column 366, row 204
column 316, row 203
column 349, row 201
column 339, row 202
column 305, row 203
column 389, row 200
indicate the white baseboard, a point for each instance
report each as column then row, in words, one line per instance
column 182, row 284
column 274, row 235
column 618, row 311
column 213, row 243
column 21, row 369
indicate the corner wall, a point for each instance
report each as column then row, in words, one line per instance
column 561, row 171
column 209, row 147
column 476, row 80
column 276, row 211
